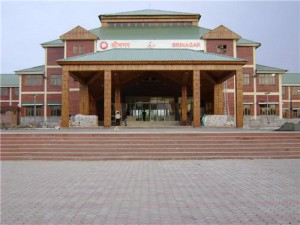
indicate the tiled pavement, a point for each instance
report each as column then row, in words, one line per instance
column 151, row 192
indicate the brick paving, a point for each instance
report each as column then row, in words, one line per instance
column 151, row 192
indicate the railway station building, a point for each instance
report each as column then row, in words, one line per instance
column 153, row 66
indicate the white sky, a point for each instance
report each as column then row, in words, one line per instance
column 27, row 24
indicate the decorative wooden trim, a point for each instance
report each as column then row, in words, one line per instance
column 145, row 20
column 134, row 67
column 154, row 63
column 150, row 18
column 221, row 32
column 78, row 33
column 196, row 99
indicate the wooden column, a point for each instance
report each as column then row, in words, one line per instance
column 84, row 100
column 184, row 105
column 196, row 98
column 92, row 105
column 216, row 99
column 219, row 99
column 65, row 98
column 117, row 98
column 107, row 98
column 239, row 98
column 117, row 93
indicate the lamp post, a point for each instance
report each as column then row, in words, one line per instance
column 267, row 94
column 291, row 103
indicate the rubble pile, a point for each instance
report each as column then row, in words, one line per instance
column 290, row 127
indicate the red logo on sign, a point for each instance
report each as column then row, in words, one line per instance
column 103, row 45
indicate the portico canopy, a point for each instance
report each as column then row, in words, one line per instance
column 151, row 55
column 117, row 67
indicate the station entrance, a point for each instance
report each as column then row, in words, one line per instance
column 151, row 93
column 155, row 97
column 151, row 97
column 151, row 109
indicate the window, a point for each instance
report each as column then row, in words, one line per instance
column 296, row 90
column 75, row 49
column 4, row 91
column 81, row 49
column 246, row 79
column 55, row 80
column 55, row 110
column 16, row 91
column 33, row 80
column 246, row 110
column 266, row 79
column 271, row 109
column 283, row 90
column 78, row 49
column 221, row 48
column 29, row 110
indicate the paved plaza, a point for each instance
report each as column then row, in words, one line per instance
column 151, row 192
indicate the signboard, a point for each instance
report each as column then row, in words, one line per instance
column 103, row 45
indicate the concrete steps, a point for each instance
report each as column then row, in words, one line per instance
column 138, row 146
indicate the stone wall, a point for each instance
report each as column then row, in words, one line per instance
column 218, row 121
column 264, row 121
column 249, row 121
column 84, row 120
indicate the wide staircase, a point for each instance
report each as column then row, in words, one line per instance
column 120, row 146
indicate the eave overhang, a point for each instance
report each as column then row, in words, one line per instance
column 152, row 63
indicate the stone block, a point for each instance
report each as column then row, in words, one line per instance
column 218, row 121
column 84, row 120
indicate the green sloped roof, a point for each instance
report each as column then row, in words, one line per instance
column 140, row 55
column 149, row 33
column 151, row 12
column 243, row 41
column 33, row 70
column 268, row 69
column 9, row 80
column 53, row 43
column 291, row 78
